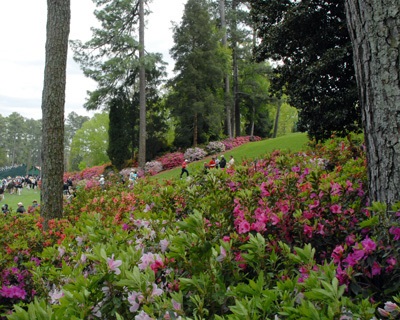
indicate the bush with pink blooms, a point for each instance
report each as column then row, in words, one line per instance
column 231, row 143
column 171, row 160
column 285, row 237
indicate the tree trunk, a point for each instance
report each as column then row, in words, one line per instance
column 228, row 104
column 195, row 130
column 142, row 80
column 374, row 28
column 278, row 113
column 236, row 113
column 53, row 104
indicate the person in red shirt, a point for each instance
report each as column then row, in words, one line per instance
column 184, row 164
column 212, row 164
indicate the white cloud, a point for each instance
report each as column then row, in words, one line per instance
column 23, row 51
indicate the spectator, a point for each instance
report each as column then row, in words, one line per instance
column 21, row 208
column 102, row 182
column 212, row 164
column 222, row 162
column 231, row 163
column 4, row 208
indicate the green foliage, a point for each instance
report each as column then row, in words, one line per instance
column 91, row 141
column 201, row 63
column 317, row 72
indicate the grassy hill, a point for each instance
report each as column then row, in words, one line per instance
column 291, row 142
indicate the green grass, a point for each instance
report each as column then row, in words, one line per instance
column 253, row 150
column 26, row 197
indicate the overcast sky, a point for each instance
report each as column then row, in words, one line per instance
column 22, row 54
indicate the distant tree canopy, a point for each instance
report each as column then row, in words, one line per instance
column 111, row 58
column 311, row 45
column 201, row 62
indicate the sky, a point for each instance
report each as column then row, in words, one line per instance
column 22, row 54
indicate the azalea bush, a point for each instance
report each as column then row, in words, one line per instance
column 153, row 167
column 231, row 143
column 193, row 154
column 215, row 147
column 171, row 160
column 281, row 238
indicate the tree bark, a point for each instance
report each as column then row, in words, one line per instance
column 374, row 27
column 236, row 113
column 142, row 98
column 53, row 104
column 228, row 104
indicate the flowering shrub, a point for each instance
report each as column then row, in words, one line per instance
column 171, row 160
column 280, row 236
column 153, row 167
column 86, row 174
column 193, row 154
column 231, row 143
column 215, row 147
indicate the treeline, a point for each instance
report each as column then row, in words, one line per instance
column 222, row 85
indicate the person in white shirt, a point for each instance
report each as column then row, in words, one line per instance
column 231, row 163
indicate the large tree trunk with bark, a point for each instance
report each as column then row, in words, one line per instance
column 228, row 102
column 53, row 104
column 374, row 27
column 142, row 93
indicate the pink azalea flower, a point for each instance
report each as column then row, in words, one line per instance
column 383, row 312
column 396, row 232
column 156, row 291
column 114, row 264
column 56, row 295
column 336, row 189
column 244, row 227
column 132, row 297
column 376, row 269
column 368, row 245
column 336, row 208
column 391, row 306
column 274, row 219
column 353, row 258
column 308, row 230
column 12, row 292
column 337, row 254
column 176, row 305
column 143, row 316
column 222, row 256
column 164, row 245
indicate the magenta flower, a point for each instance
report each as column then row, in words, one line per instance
column 114, row 264
column 244, row 226
column 376, row 269
column 337, row 254
column 308, row 230
column 13, row 292
column 396, row 232
column 368, row 245
column 336, row 208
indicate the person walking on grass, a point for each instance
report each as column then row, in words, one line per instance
column 231, row 163
column 184, row 170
